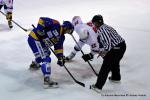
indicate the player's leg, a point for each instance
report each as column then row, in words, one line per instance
column 46, row 66
column 105, row 69
column 115, row 69
column 36, row 62
column 73, row 53
column 8, row 16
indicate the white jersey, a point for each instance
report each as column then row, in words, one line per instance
column 91, row 39
column 9, row 5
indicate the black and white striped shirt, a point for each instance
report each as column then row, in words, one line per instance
column 108, row 37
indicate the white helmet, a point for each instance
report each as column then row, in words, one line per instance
column 83, row 33
column 76, row 20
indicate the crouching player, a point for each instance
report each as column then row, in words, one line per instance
column 87, row 35
column 48, row 33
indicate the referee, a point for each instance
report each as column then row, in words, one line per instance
column 112, row 51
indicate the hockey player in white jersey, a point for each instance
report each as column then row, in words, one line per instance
column 87, row 35
column 8, row 7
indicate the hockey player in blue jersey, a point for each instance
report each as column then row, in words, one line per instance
column 48, row 32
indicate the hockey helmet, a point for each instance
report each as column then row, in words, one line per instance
column 76, row 20
column 97, row 20
column 68, row 26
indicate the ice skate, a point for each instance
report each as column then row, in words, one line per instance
column 70, row 57
column 96, row 89
column 114, row 80
column 10, row 24
column 49, row 84
column 34, row 66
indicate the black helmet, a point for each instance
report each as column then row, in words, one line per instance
column 69, row 26
column 98, row 19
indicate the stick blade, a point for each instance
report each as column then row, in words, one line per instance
column 80, row 83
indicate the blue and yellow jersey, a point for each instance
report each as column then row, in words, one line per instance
column 49, row 28
column 44, row 26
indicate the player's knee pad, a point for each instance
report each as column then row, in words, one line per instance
column 46, row 68
column 47, row 59
column 38, row 59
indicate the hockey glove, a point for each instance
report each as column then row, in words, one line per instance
column 61, row 61
column 87, row 57
column 9, row 16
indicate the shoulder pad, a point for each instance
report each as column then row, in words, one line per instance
column 55, row 22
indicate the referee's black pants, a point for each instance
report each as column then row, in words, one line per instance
column 111, row 63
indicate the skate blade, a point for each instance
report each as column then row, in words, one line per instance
column 95, row 89
column 114, row 81
column 34, row 69
column 50, row 87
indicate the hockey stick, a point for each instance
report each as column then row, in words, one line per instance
column 80, row 83
column 83, row 54
column 16, row 23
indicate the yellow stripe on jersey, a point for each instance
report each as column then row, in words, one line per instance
column 32, row 34
column 41, row 22
column 58, row 51
column 61, row 30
